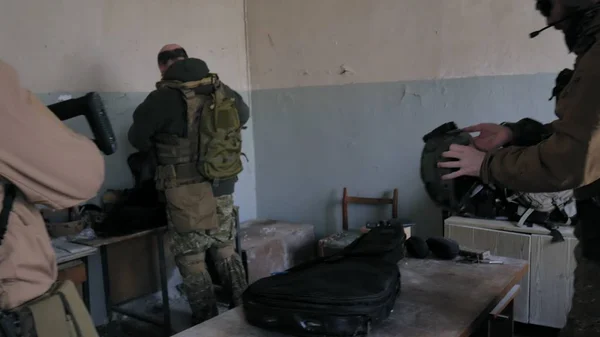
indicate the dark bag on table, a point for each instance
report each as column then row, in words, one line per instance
column 339, row 295
column 138, row 208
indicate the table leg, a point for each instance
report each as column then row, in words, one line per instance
column 85, row 287
column 244, row 258
column 164, row 284
column 238, row 246
column 501, row 319
column 106, row 282
column 502, row 325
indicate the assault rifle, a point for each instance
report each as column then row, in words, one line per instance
column 92, row 107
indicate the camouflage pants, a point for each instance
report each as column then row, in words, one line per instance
column 584, row 317
column 190, row 251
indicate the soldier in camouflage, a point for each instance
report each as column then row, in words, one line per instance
column 528, row 156
column 198, row 159
column 219, row 242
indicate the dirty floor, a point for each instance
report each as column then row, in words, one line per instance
column 150, row 307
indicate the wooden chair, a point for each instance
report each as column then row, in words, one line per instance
column 338, row 241
column 346, row 200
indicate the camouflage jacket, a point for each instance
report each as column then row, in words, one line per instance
column 567, row 155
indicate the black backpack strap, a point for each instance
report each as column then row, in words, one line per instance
column 8, row 324
column 10, row 192
column 554, row 232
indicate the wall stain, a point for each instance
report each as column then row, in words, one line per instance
column 271, row 42
column 403, row 94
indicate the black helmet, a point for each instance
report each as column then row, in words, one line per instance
column 452, row 195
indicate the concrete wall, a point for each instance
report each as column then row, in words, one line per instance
column 69, row 47
column 343, row 91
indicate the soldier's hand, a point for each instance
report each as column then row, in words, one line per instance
column 468, row 161
column 491, row 136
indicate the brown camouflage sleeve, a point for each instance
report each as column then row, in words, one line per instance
column 570, row 157
column 51, row 164
column 529, row 132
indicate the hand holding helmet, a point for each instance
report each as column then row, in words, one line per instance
column 467, row 161
column 491, row 136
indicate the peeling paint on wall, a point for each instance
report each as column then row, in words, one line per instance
column 345, row 70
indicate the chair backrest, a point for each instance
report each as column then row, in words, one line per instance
column 367, row 201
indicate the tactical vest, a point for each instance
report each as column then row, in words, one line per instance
column 212, row 147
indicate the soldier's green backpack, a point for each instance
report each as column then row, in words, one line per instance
column 220, row 135
column 217, row 131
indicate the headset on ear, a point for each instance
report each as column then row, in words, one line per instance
column 545, row 8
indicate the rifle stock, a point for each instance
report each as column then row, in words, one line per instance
column 92, row 107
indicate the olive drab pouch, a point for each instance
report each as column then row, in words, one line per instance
column 192, row 207
column 59, row 312
column 220, row 137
